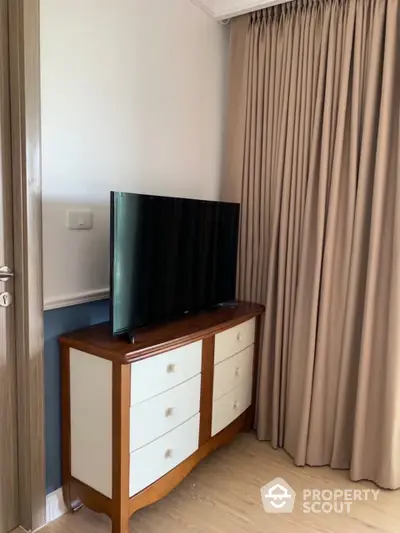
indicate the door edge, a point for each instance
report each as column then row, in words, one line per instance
column 24, row 43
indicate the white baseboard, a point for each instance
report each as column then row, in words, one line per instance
column 55, row 506
column 76, row 299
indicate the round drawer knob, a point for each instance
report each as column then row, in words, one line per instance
column 169, row 411
column 168, row 454
column 239, row 336
column 171, row 368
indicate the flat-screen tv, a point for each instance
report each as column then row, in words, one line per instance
column 169, row 257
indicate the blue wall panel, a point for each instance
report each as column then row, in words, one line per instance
column 56, row 323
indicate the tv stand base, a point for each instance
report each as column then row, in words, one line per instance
column 131, row 337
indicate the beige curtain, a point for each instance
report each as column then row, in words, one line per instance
column 313, row 156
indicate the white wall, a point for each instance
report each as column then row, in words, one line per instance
column 132, row 100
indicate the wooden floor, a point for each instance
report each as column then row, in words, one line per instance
column 222, row 495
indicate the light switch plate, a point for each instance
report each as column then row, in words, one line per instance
column 79, row 219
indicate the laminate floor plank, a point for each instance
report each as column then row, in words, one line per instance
column 222, row 495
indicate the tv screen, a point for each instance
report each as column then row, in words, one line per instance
column 169, row 257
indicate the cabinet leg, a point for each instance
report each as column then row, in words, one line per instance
column 249, row 421
column 120, row 526
column 71, row 501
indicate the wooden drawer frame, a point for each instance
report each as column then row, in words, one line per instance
column 96, row 341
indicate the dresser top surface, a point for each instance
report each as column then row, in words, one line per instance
column 98, row 340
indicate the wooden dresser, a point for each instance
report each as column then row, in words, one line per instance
column 137, row 418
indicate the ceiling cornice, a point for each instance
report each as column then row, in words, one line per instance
column 224, row 9
column 207, row 6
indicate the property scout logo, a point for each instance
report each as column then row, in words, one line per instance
column 279, row 497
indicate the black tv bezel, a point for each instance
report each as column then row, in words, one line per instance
column 129, row 333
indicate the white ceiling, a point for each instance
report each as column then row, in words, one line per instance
column 224, row 9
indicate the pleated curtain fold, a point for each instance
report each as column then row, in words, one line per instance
column 312, row 154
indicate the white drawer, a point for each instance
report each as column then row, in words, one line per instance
column 155, row 417
column 161, row 372
column 159, row 457
column 230, row 406
column 233, row 371
column 234, row 340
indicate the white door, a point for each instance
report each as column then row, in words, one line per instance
column 9, row 518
